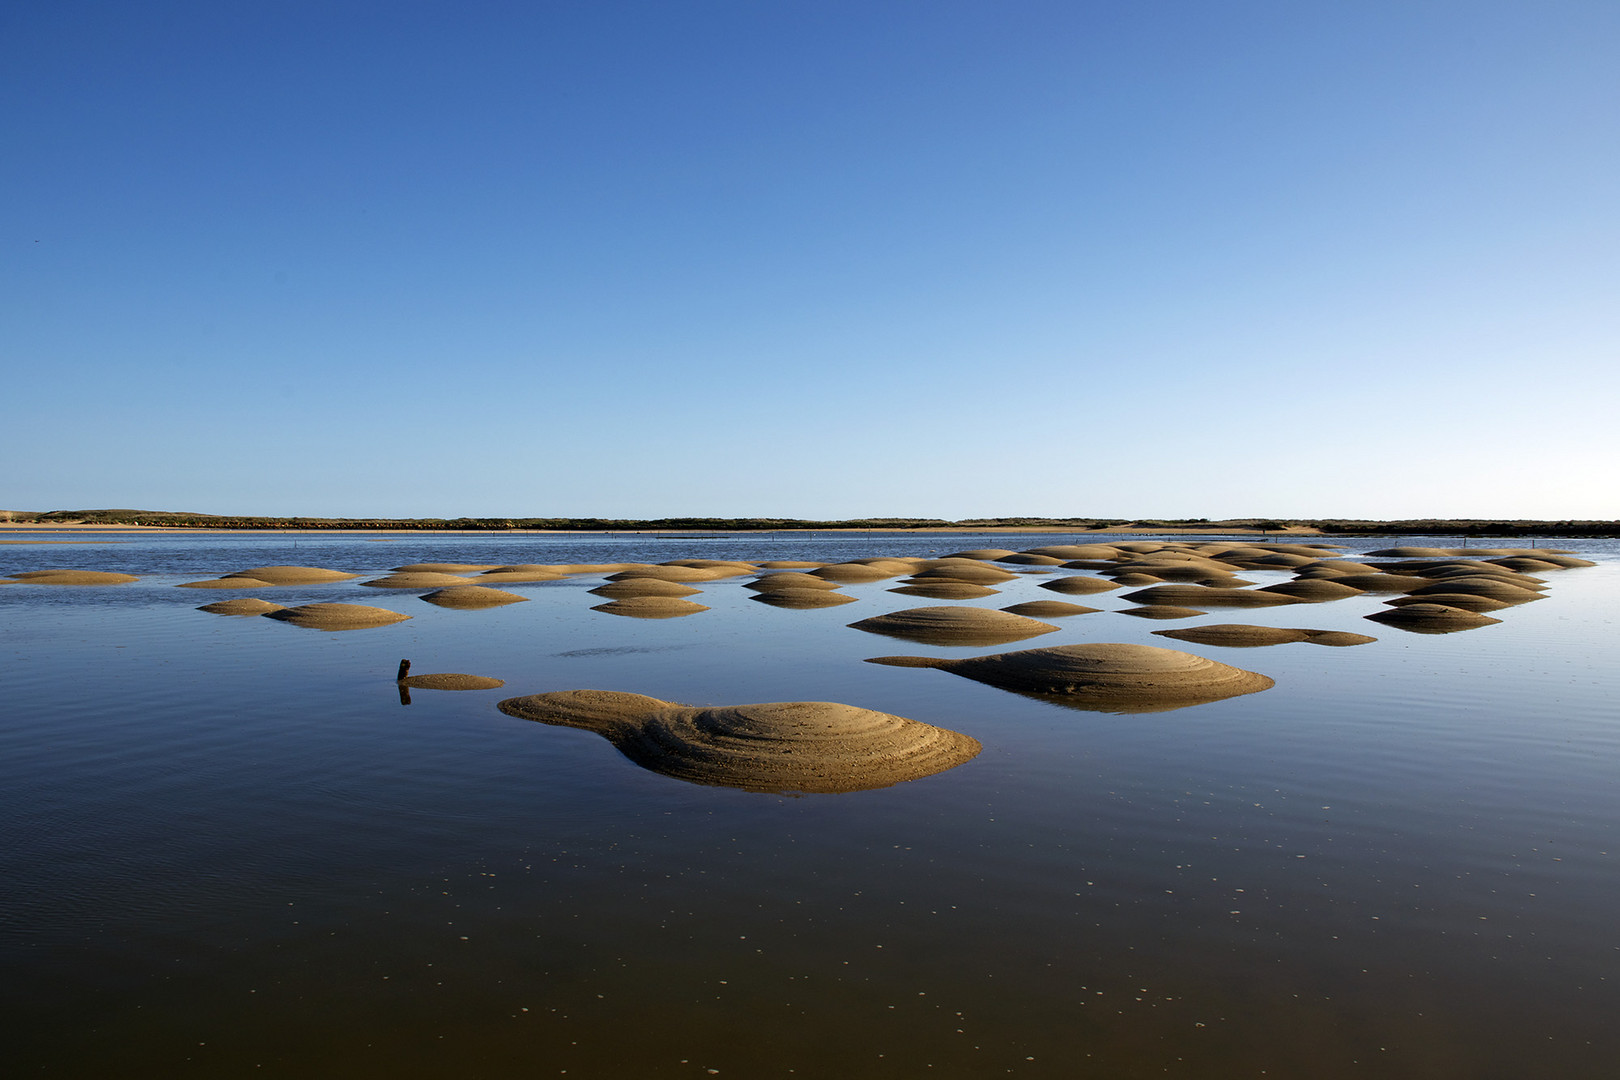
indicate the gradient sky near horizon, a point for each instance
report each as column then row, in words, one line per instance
column 812, row 259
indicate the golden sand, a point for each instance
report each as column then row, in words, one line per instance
column 789, row 580
column 945, row 590
column 955, row 626
column 227, row 583
column 452, row 681
column 416, row 579
column 650, row 607
column 1160, row 611
column 1204, row 596
column 811, row 747
column 1243, row 636
column 1080, row 585
column 1049, row 609
column 241, row 605
column 292, row 575
column 72, row 577
column 336, row 616
column 1104, row 677
column 619, row 590
column 802, row 598
column 1431, row 618
column 472, row 596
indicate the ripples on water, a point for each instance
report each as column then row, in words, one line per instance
column 226, row 848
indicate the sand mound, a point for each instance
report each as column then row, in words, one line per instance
column 567, row 569
column 337, row 616
column 227, row 583
column 1382, row 583
column 954, row 626
column 1107, row 678
column 73, row 577
column 241, row 605
column 1204, row 596
column 984, row 554
column 1486, row 570
column 1525, row 565
column 1076, row 551
column 1161, row 611
column 1049, row 609
column 472, row 596
column 961, row 570
column 1431, row 618
column 802, row 598
column 790, row 564
column 1029, row 558
column 789, row 580
column 675, row 573
column 1314, row 590
column 853, row 573
column 515, row 575
column 1078, row 585
column 946, row 590
column 443, row 568
column 1335, row 568
column 292, row 575
column 650, row 607
column 1243, row 636
column 1563, row 562
column 647, row 586
column 1466, row 601
column 1136, row 579
column 790, row 746
column 1480, row 586
column 452, row 681
column 416, row 579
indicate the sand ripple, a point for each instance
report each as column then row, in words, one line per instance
column 791, row 746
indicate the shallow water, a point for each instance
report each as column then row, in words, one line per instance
column 226, row 847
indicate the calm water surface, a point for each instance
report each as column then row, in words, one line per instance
column 226, row 848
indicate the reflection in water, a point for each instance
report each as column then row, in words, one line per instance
column 222, row 852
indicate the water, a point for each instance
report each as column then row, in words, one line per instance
column 226, row 848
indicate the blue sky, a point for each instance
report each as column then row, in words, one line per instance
column 812, row 259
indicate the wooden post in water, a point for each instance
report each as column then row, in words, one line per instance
column 404, row 671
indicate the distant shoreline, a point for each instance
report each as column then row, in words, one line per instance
column 104, row 522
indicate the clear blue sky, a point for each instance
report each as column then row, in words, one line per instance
column 814, row 259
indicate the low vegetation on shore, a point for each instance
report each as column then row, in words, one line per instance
column 170, row 519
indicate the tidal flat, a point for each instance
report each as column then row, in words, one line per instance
column 237, row 844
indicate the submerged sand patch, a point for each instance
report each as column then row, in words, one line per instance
column 416, row 579
column 1204, row 596
column 1079, row 585
column 650, row 607
column 620, row 590
column 1429, row 618
column 955, row 626
column 1245, row 636
column 472, row 596
column 241, row 605
column 811, row 747
column 790, row 580
column 227, row 583
column 802, row 598
column 1161, row 611
column 337, row 616
column 1049, row 609
column 450, row 680
column 292, row 575
column 73, row 577
column 1103, row 677
column 946, row 590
